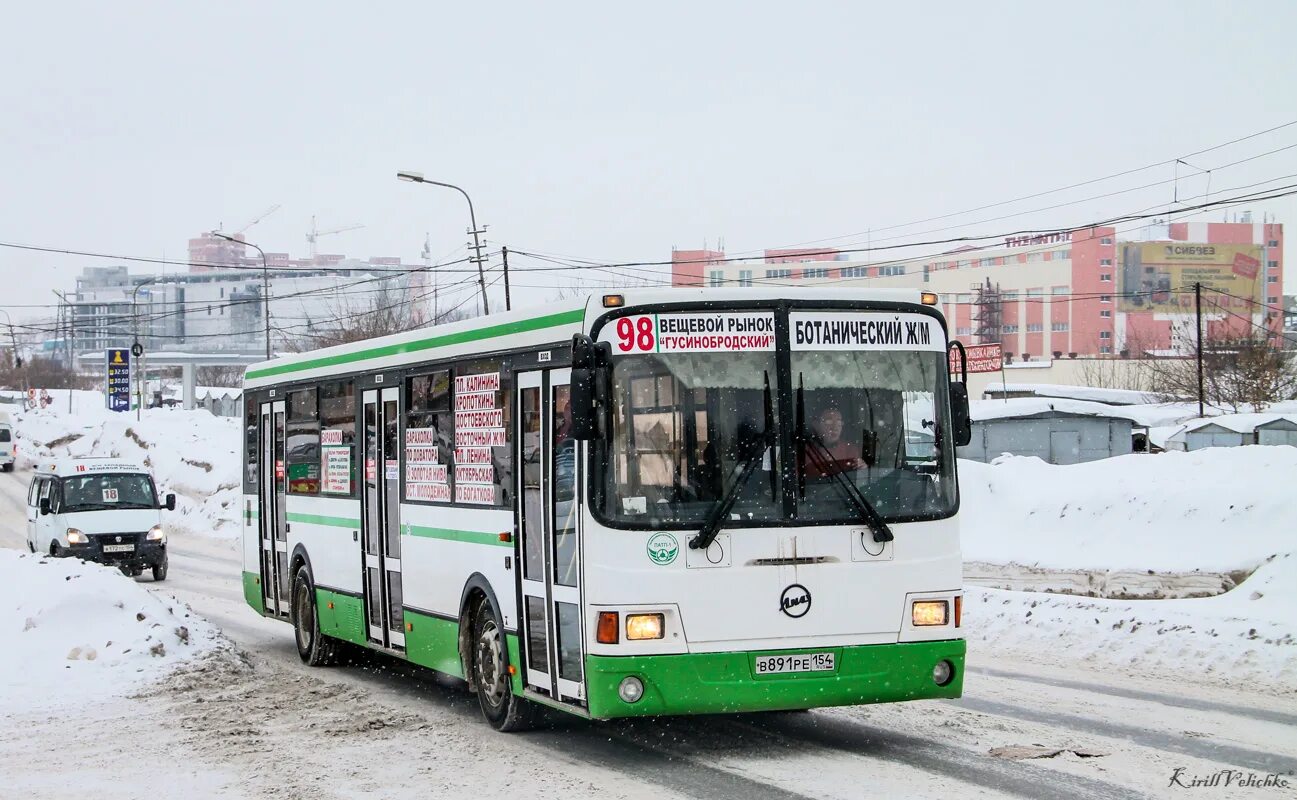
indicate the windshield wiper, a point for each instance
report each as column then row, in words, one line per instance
column 754, row 455
column 823, row 460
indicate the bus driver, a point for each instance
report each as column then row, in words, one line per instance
column 838, row 453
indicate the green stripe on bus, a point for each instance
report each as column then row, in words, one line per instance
column 445, row 340
column 252, row 591
column 471, row 537
column 332, row 522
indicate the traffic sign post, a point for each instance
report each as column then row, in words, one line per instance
column 117, row 385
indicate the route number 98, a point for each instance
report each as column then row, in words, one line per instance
column 636, row 335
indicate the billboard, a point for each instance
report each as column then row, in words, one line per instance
column 981, row 358
column 1159, row 276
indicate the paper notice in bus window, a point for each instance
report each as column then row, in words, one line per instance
column 864, row 331
column 473, row 384
column 110, row 495
column 418, row 436
column 475, row 494
column 430, row 492
column 330, row 436
column 425, row 473
column 634, row 505
column 691, row 333
column 475, row 473
column 473, row 455
column 390, row 470
column 479, row 419
column 475, row 401
column 479, row 437
column 337, row 470
column 422, row 455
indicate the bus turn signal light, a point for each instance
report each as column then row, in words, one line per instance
column 929, row 298
column 644, row 626
column 607, row 629
column 959, row 609
column 929, row 612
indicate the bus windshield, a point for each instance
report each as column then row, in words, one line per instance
column 867, row 392
column 684, row 426
column 97, row 492
column 872, row 417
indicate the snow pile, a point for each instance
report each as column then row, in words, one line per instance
column 1246, row 637
column 72, row 632
column 191, row 453
column 1218, row 509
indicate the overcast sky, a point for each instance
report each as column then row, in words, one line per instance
column 598, row 131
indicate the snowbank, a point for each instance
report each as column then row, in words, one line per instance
column 191, row 453
column 72, row 632
column 1219, row 509
column 1246, row 637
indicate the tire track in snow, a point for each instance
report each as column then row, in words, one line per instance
column 1248, row 712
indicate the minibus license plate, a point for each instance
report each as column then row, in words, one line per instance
column 119, row 548
column 804, row 662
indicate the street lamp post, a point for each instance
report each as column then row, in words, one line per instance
column 265, row 283
column 141, row 382
column 417, row 177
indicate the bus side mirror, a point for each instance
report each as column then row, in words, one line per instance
column 170, row 505
column 45, row 506
column 960, row 420
column 590, row 363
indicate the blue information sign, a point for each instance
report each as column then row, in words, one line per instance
column 119, row 379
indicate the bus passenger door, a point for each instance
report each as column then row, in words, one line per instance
column 380, row 525
column 273, row 526
column 551, row 569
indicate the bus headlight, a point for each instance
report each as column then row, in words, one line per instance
column 929, row 612
column 644, row 626
column 156, row 534
column 631, row 689
column 77, row 537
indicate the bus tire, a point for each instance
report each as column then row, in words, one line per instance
column 504, row 711
column 314, row 648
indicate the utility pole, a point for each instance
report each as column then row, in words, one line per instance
column 265, row 282
column 1197, row 307
column 508, row 305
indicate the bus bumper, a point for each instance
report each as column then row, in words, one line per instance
column 725, row 683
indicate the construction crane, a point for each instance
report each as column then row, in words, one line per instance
column 315, row 233
column 253, row 221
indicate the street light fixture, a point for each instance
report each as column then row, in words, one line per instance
column 265, row 283
column 417, row 177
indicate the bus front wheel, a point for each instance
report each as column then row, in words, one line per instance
column 504, row 710
column 314, row 648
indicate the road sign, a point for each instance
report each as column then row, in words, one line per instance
column 117, row 386
column 137, row 349
column 981, row 358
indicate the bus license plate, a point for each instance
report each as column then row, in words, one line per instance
column 804, row 662
column 119, row 548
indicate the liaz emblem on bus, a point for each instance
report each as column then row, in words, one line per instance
column 690, row 333
column 663, row 549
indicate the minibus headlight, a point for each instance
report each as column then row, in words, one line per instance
column 77, row 537
column 156, row 534
column 929, row 612
column 644, row 626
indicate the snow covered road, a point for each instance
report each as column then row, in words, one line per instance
column 269, row 726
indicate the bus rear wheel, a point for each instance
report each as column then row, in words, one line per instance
column 504, row 710
column 314, row 648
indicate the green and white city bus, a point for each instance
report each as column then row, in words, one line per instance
column 663, row 501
